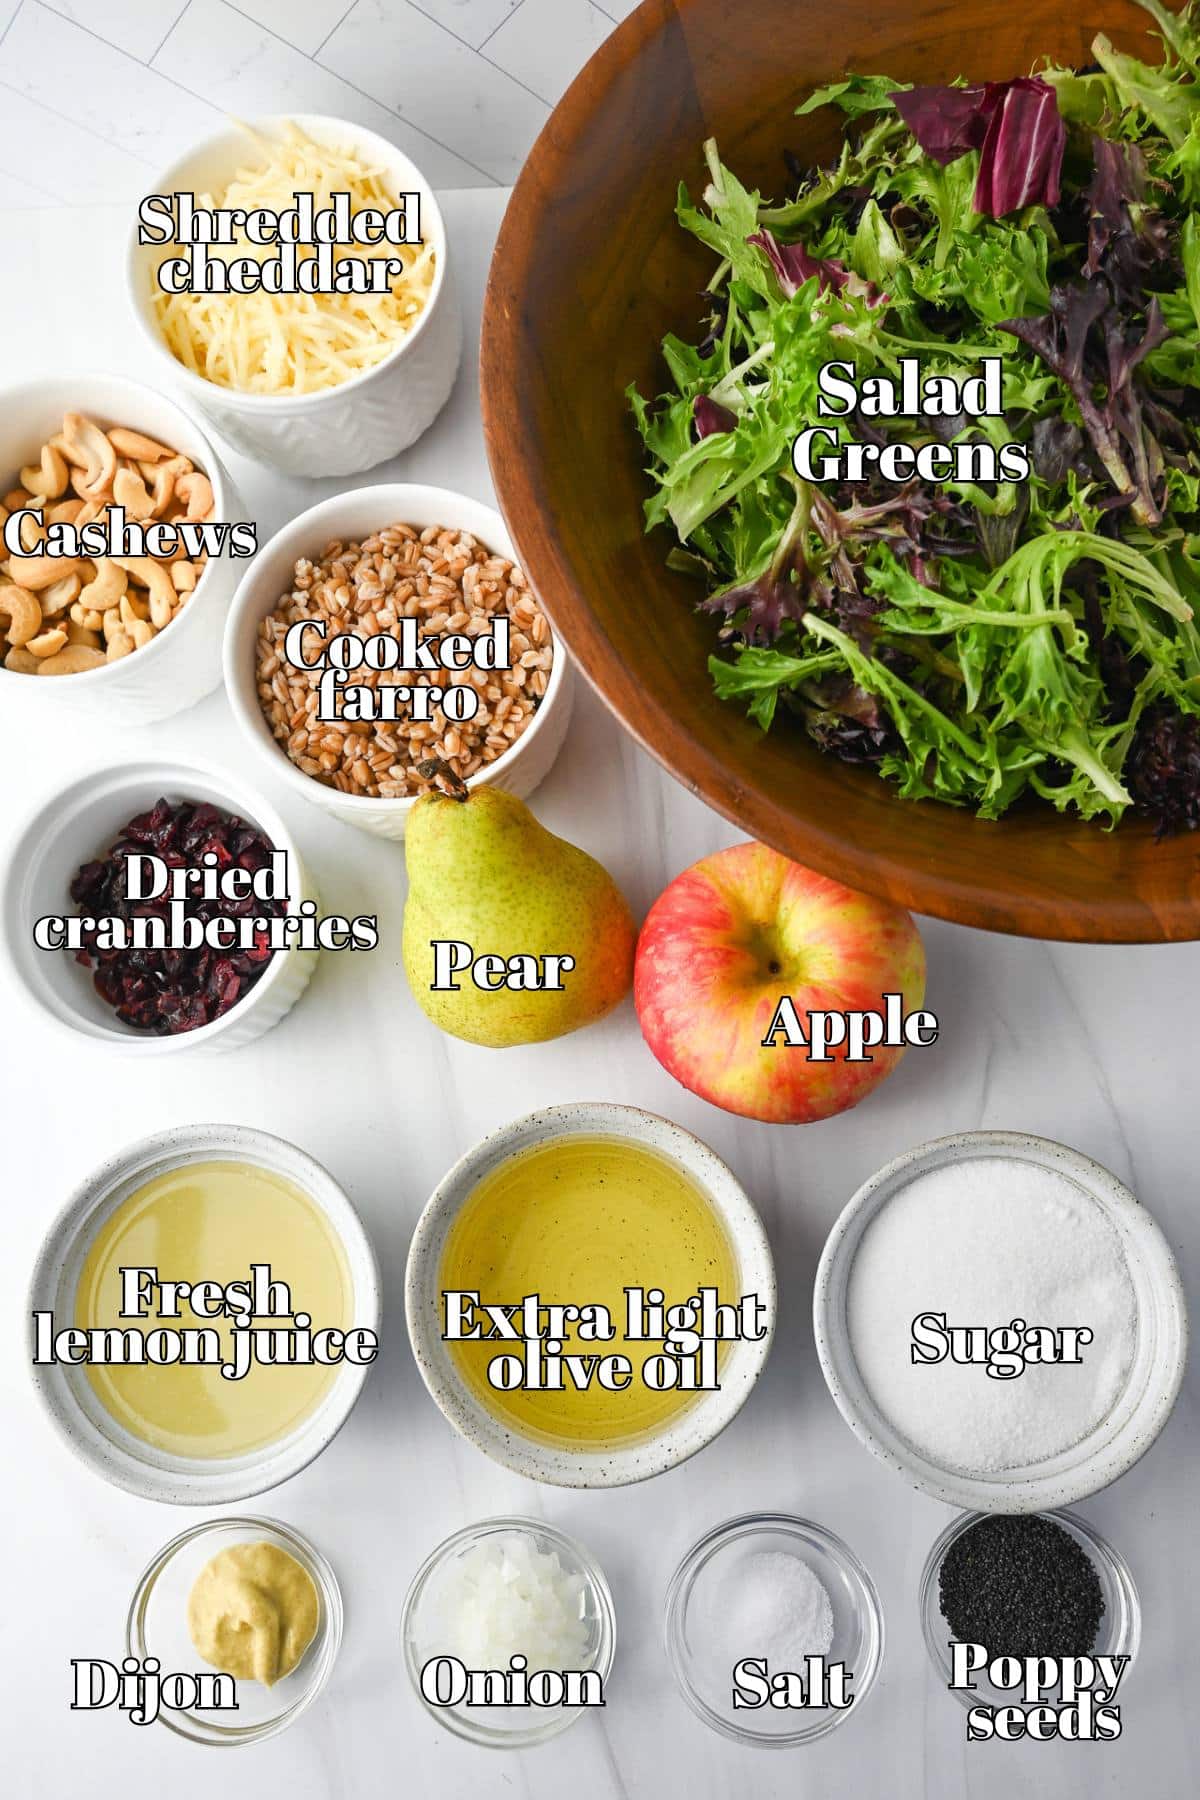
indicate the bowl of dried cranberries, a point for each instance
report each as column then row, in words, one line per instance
column 148, row 908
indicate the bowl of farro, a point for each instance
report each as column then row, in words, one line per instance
column 384, row 642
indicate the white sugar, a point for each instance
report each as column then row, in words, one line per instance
column 986, row 1241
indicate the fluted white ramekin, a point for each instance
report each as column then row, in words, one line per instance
column 79, row 823
column 182, row 662
column 341, row 430
column 355, row 515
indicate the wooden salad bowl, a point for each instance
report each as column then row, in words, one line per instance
column 591, row 269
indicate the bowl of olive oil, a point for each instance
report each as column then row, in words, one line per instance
column 590, row 1295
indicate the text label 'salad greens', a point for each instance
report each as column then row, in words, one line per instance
column 971, row 641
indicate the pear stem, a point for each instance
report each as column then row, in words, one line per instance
column 434, row 769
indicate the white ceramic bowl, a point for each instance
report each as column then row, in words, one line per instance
column 81, row 822
column 341, row 430
column 709, row 1414
column 269, row 578
column 74, row 1409
column 1154, row 1378
column 182, row 663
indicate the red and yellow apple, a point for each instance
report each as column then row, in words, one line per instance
column 733, row 935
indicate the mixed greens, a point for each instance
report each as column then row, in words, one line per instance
column 972, row 641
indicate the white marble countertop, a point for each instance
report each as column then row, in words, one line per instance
column 1094, row 1046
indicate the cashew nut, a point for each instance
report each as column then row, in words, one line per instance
column 25, row 620
column 135, row 445
column 61, row 594
column 37, row 572
column 65, row 513
column 47, row 643
column 32, row 533
column 195, row 490
column 96, row 457
column 49, row 479
column 154, row 576
column 164, row 486
column 131, row 608
column 109, row 585
column 74, row 660
column 129, row 491
column 67, row 614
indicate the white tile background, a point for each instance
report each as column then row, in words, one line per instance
column 97, row 95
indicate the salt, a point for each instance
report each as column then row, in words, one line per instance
column 768, row 1604
column 986, row 1241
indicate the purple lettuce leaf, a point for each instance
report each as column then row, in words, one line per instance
column 1016, row 127
column 1020, row 163
column 947, row 121
column 1126, row 236
column 709, row 416
column 793, row 266
column 1163, row 770
column 1120, row 434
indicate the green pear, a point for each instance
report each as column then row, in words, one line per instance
column 483, row 873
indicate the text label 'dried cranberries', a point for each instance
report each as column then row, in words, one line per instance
column 165, row 991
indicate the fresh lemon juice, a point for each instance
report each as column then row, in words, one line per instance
column 578, row 1221
column 210, row 1221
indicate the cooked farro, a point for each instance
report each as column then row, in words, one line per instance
column 451, row 583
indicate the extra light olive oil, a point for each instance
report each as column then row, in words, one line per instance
column 578, row 1221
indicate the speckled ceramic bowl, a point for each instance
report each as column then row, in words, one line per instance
column 73, row 1407
column 683, row 1436
column 1154, row 1377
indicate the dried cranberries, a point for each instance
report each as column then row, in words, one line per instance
column 168, row 991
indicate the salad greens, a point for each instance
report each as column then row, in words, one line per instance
column 972, row 641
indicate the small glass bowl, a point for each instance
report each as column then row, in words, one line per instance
column 1120, row 1625
column 857, row 1625
column 157, row 1626
column 477, row 1725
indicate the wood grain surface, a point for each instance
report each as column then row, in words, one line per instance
column 590, row 270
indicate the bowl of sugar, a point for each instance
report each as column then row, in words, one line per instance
column 1000, row 1321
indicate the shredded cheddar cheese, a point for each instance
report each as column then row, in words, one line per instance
column 264, row 343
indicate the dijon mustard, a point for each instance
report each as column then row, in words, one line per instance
column 252, row 1612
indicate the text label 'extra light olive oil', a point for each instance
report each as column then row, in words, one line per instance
column 579, row 1220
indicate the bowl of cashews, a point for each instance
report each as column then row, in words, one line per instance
column 135, row 636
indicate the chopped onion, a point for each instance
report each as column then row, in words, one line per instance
column 505, row 1597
